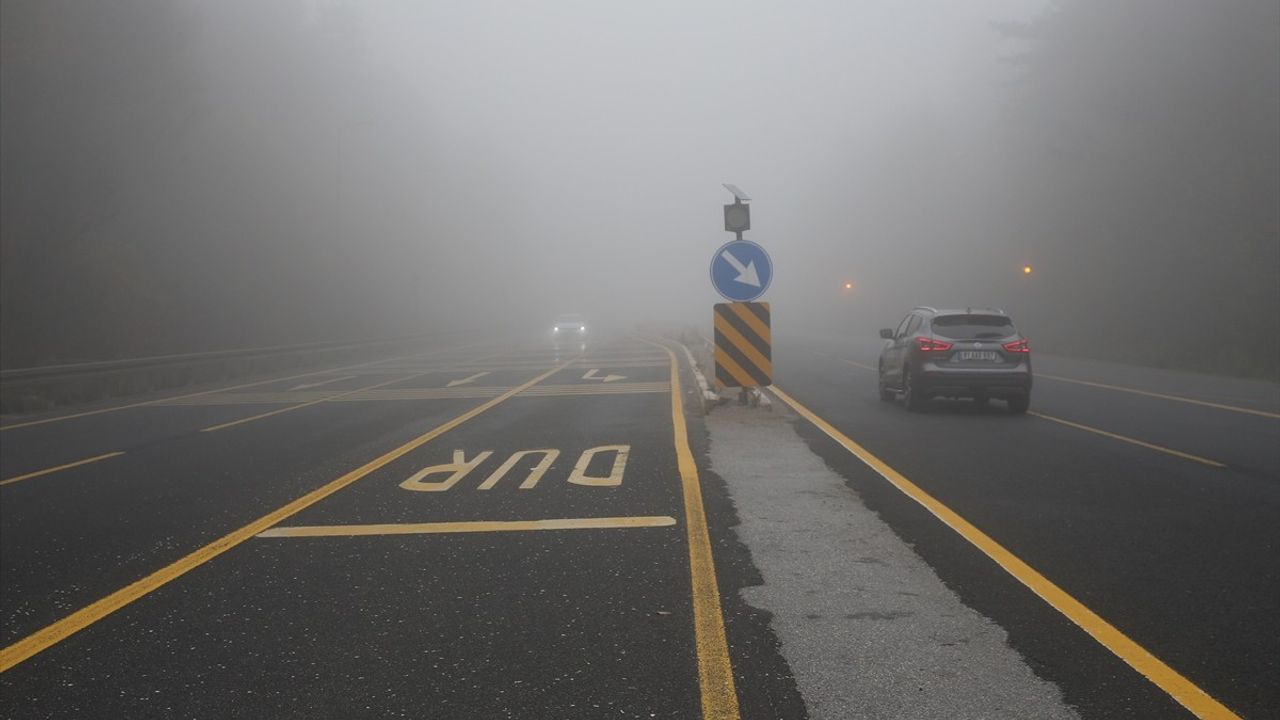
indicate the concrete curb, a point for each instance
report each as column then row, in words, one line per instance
column 709, row 399
column 758, row 397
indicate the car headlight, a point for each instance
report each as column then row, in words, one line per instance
column 582, row 328
column 555, row 329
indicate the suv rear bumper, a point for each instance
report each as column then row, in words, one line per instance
column 1001, row 382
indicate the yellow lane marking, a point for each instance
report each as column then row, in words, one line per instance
column 145, row 403
column 86, row 616
column 327, row 398
column 1135, row 441
column 468, row 527
column 1166, row 678
column 46, row 471
column 715, row 671
column 861, row 365
column 1162, row 396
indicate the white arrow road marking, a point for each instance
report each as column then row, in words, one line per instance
column 746, row 274
column 591, row 375
column 464, row 381
column 304, row 386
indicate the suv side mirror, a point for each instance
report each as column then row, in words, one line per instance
column 886, row 333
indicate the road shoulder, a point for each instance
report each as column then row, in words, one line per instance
column 867, row 627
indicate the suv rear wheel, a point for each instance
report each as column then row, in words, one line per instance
column 1018, row 404
column 911, row 396
column 887, row 394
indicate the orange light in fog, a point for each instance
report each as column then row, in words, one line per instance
column 1026, row 269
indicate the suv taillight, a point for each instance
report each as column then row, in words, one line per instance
column 1018, row 346
column 930, row 345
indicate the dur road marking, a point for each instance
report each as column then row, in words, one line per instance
column 1134, row 441
column 1162, row 396
column 68, row 466
column 62, row 629
column 462, row 467
column 469, row 527
column 715, row 670
column 1151, row 667
column 531, row 481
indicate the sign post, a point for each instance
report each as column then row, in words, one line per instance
column 741, row 272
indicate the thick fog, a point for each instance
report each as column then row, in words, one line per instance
column 181, row 175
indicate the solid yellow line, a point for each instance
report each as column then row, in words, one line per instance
column 715, row 671
column 1134, row 441
column 161, row 401
column 1166, row 678
column 46, row 471
column 468, row 527
column 1176, row 398
column 86, row 616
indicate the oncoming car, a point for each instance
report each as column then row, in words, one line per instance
column 971, row 353
column 569, row 325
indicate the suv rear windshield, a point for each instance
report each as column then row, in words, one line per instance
column 973, row 327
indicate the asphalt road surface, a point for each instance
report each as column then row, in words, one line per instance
column 1150, row 497
column 530, row 529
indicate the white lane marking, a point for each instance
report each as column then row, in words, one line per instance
column 591, row 375
column 1162, row 396
column 466, row 380
column 305, row 386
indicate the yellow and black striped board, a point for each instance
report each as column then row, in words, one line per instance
column 744, row 342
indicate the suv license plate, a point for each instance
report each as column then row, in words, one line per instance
column 976, row 355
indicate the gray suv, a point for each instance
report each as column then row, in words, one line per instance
column 956, row 353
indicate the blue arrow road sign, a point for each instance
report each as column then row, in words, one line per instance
column 741, row 271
